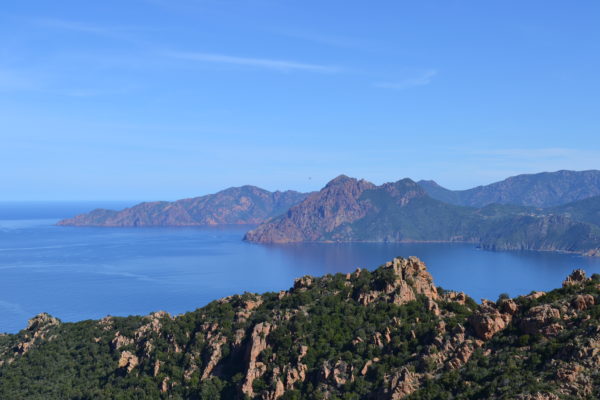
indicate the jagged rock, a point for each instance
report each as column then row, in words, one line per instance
column 303, row 283
column 583, row 302
column 215, row 345
column 411, row 279
column 106, row 323
column 365, row 368
column 488, row 320
column 508, row 306
column 164, row 386
column 120, row 341
column 414, row 271
column 42, row 321
column 128, row 361
column 156, row 368
column 256, row 369
column 540, row 319
column 342, row 373
column 403, row 384
column 577, row 277
column 37, row 329
column 458, row 297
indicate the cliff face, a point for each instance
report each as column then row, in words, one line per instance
column 326, row 215
column 335, row 204
column 349, row 210
column 241, row 205
column 546, row 189
column 385, row 334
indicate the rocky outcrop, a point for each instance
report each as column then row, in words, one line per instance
column 128, row 361
column 337, row 203
column 577, row 277
column 409, row 278
column 543, row 320
column 490, row 319
column 38, row 330
column 256, row 369
column 238, row 205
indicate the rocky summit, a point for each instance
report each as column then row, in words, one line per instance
column 352, row 210
column 389, row 333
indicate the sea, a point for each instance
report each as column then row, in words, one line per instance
column 79, row 273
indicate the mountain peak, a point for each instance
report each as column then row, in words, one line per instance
column 340, row 179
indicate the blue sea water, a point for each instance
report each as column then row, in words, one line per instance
column 84, row 273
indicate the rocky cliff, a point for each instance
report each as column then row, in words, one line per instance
column 239, row 205
column 348, row 210
column 383, row 334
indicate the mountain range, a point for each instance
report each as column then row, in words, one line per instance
column 558, row 211
column 351, row 210
column 546, row 189
column 236, row 205
column 386, row 334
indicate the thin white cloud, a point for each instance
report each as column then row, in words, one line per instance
column 83, row 27
column 325, row 39
column 421, row 79
column 264, row 63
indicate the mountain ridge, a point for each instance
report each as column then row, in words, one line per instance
column 402, row 211
column 244, row 205
column 386, row 334
column 544, row 189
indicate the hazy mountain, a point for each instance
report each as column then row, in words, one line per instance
column 237, row 205
column 388, row 334
column 349, row 210
column 545, row 189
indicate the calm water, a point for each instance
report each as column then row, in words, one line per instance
column 82, row 273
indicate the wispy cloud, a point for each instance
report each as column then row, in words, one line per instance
column 264, row 63
column 326, row 39
column 419, row 79
column 83, row 27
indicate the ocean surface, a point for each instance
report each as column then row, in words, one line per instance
column 87, row 273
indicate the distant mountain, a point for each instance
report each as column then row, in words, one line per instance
column 546, row 189
column 237, row 205
column 348, row 210
column 587, row 210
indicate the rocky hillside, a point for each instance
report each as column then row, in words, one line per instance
column 349, row 210
column 386, row 334
column 546, row 189
column 238, row 205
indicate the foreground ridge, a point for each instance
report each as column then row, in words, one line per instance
column 383, row 334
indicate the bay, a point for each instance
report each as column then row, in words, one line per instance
column 87, row 273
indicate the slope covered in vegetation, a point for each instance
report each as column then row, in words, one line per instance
column 385, row 334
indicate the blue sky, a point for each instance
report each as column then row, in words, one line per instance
column 164, row 99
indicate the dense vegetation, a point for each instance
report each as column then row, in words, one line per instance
column 385, row 334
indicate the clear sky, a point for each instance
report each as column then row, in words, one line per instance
column 164, row 99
